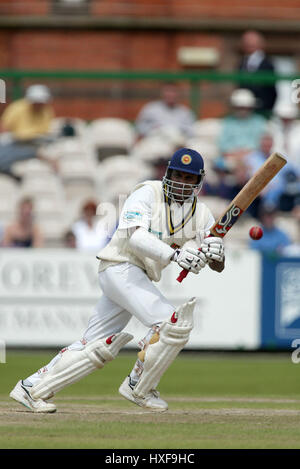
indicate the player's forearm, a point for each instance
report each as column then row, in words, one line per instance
column 145, row 244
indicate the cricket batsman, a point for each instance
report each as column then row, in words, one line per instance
column 161, row 222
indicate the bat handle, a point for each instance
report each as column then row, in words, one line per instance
column 184, row 272
column 182, row 275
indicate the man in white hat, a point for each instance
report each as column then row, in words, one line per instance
column 27, row 122
column 285, row 129
column 30, row 117
column 242, row 130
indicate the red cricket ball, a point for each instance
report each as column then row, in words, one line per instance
column 256, row 232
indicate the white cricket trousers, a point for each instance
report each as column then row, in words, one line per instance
column 127, row 292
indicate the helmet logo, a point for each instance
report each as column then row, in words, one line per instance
column 186, row 159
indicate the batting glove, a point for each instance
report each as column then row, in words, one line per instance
column 190, row 259
column 213, row 249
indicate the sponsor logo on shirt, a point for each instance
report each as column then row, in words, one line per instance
column 131, row 215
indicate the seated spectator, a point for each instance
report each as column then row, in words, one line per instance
column 1, row 234
column 227, row 183
column 274, row 239
column 285, row 129
column 29, row 118
column 283, row 191
column 69, row 240
column 241, row 131
column 90, row 234
column 23, row 232
column 159, row 167
column 293, row 250
column 165, row 113
column 28, row 122
column 68, row 129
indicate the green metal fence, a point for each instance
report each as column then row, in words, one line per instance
column 194, row 78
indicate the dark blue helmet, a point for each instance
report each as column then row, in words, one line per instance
column 188, row 161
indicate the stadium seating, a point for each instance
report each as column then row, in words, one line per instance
column 109, row 137
column 150, row 149
column 58, row 124
column 33, row 167
column 9, row 191
column 103, row 161
column 118, row 175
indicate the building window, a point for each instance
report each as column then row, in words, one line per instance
column 70, row 7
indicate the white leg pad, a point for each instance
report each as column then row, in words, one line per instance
column 174, row 334
column 72, row 365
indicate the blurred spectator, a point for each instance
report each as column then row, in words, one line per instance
column 90, row 234
column 69, row 240
column 1, row 234
column 29, row 118
column 241, row 131
column 27, row 122
column 23, row 232
column 68, row 129
column 283, row 191
column 293, row 250
column 159, row 167
column 274, row 239
column 285, row 128
column 227, row 183
column 255, row 60
column 166, row 113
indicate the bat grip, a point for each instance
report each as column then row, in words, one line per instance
column 183, row 273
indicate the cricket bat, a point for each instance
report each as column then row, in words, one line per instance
column 244, row 198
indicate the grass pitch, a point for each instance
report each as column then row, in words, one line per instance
column 215, row 401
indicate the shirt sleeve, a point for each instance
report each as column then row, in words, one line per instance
column 137, row 210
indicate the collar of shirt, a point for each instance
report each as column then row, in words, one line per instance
column 255, row 59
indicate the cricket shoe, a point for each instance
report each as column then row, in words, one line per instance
column 21, row 394
column 151, row 401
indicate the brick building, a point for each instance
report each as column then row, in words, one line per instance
column 132, row 35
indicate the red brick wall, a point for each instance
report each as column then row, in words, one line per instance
column 24, row 7
column 51, row 49
column 113, row 50
column 268, row 9
column 108, row 50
